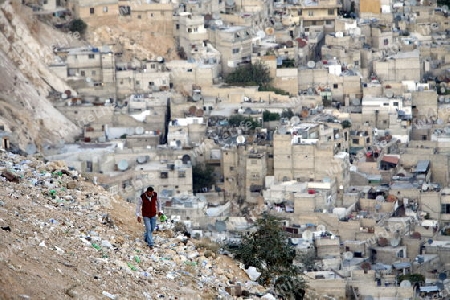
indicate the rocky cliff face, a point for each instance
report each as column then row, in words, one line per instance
column 25, row 80
column 62, row 237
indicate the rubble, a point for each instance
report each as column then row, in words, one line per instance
column 60, row 228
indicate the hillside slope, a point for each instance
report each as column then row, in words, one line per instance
column 55, row 244
column 25, row 80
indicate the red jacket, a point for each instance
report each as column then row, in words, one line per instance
column 149, row 206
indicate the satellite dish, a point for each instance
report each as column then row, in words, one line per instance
column 141, row 159
column 293, row 241
column 389, row 94
column 269, row 31
column 186, row 158
column 192, row 110
column 405, row 283
column 295, row 120
column 430, row 241
column 216, row 16
column 321, row 228
column 261, row 34
column 196, row 97
column 395, row 242
column 122, row 165
column 160, row 59
column 31, row 149
column 307, row 235
column 442, row 90
column 199, row 113
column 311, row 64
column 88, row 79
column 348, row 255
column 240, row 139
column 139, row 130
column 178, row 163
column 442, row 276
column 278, row 25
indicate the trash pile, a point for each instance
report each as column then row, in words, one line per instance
column 64, row 237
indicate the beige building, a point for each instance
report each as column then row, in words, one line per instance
column 321, row 12
column 402, row 66
column 235, row 46
column 85, row 9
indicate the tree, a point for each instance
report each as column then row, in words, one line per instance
column 254, row 74
column 78, row 25
column 346, row 124
column 267, row 249
column 202, row 176
column 287, row 113
column 244, row 122
column 270, row 116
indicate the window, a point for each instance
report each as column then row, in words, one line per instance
column 83, row 73
column 153, row 66
column 91, row 10
column 445, row 208
column 355, row 141
column 299, row 12
column 139, row 17
column 195, row 29
column 163, row 175
column 151, row 15
column 75, row 112
column 235, row 51
column 385, row 104
column 357, row 63
column 424, row 137
column 151, row 83
column 176, row 186
column 335, row 86
column 395, row 103
column 310, row 13
column 177, row 26
column 386, row 42
column 254, row 161
column 231, row 168
column 189, row 29
column 181, row 174
column 91, row 56
column 137, row 82
column 331, row 11
column 93, row 73
column 328, row 22
column 189, row 70
column 385, row 122
column 105, row 9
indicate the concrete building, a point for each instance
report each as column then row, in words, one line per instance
column 85, row 9
column 234, row 44
column 402, row 66
column 321, row 12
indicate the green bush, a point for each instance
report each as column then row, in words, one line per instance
column 267, row 250
column 78, row 25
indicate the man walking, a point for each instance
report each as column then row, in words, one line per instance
column 148, row 207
